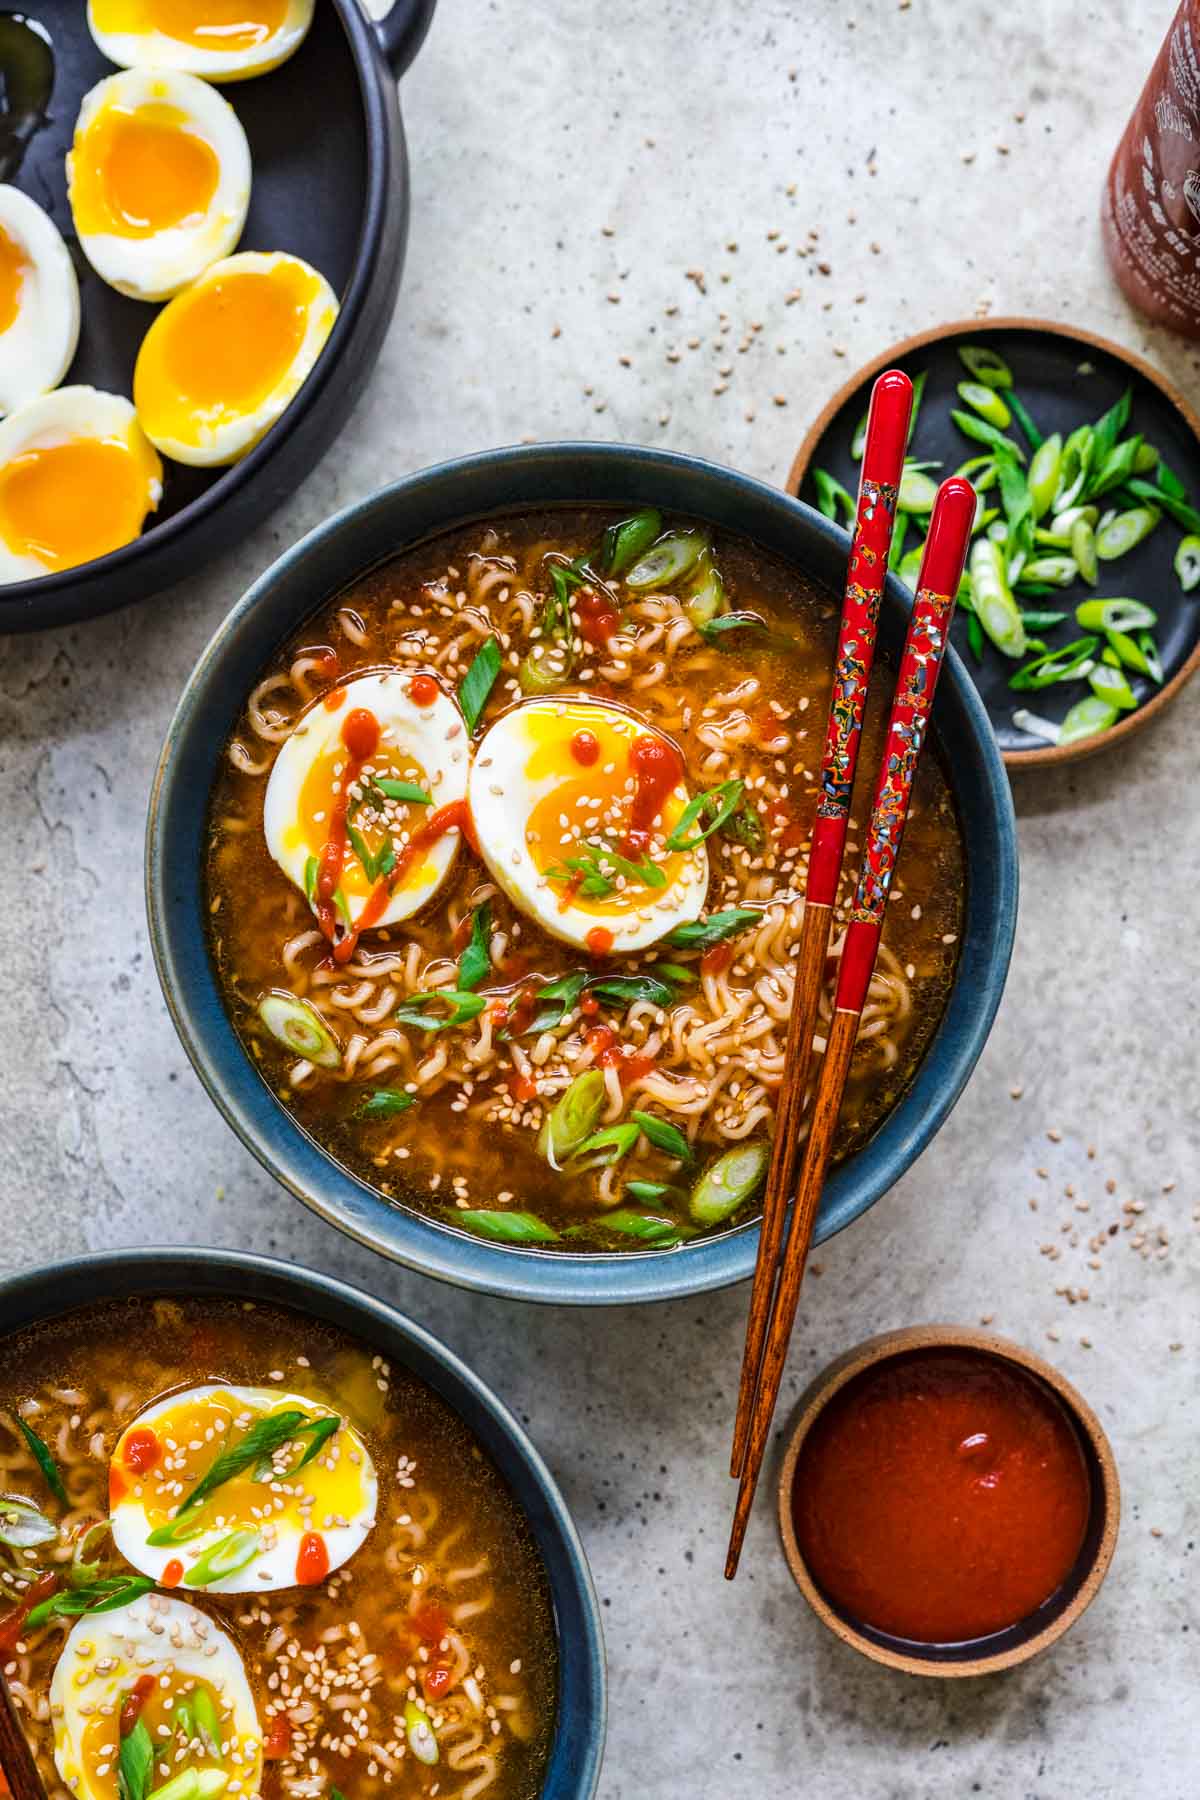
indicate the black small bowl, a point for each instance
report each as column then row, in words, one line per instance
column 1065, row 378
column 34, row 1295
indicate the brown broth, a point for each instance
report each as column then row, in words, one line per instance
column 456, row 1149
column 80, row 1381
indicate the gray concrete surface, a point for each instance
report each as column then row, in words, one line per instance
column 537, row 128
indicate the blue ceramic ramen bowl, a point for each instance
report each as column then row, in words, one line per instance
column 312, row 573
column 34, row 1295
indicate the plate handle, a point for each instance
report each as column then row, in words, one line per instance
column 402, row 31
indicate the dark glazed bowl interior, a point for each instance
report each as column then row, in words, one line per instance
column 578, row 1744
column 318, row 568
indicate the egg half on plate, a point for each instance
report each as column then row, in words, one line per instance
column 158, row 1664
column 77, row 478
column 224, row 359
column 237, row 1490
column 418, row 766
column 39, row 301
column 158, row 178
column 576, row 806
column 226, row 40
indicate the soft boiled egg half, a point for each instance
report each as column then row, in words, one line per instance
column 379, row 768
column 158, row 178
column 226, row 40
column 223, row 360
column 239, row 1490
column 156, row 1662
column 577, row 808
column 77, row 478
column 39, row 301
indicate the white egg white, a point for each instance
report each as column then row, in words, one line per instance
column 69, row 415
column 335, row 1495
column 127, row 33
column 106, row 1654
column 525, row 758
column 37, row 347
column 434, row 736
column 155, row 266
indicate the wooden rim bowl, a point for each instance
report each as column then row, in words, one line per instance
column 1015, row 1644
column 1158, row 702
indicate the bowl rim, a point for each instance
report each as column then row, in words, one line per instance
column 882, row 1348
column 1125, row 727
column 249, row 1272
column 528, row 1274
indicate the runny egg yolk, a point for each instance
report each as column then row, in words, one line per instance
column 67, row 503
column 318, row 796
column 213, row 24
column 13, row 269
column 142, row 170
column 155, row 1703
column 189, row 1439
column 615, row 792
column 222, row 349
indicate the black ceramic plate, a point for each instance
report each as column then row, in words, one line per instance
column 1065, row 379
column 329, row 183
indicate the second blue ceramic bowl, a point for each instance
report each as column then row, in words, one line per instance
column 316, row 569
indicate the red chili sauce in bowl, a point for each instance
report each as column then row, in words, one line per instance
column 941, row 1496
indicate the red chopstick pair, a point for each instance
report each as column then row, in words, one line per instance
column 776, row 1290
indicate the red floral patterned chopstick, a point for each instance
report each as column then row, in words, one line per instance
column 924, row 648
column 883, row 462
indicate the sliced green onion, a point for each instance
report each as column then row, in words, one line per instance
column 1125, row 532
column 671, row 558
column 1086, row 719
column 626, row 990
column 1055, row 571
column 1035, row 620
column 477, row 683
column 709, row 811
column 1158, row 496
column 986, row 402
column 463, row 1008
column 909, row 571
column 918, row 394
column 192, row 1784
column 264, row 1437
column 704, row 933
column 975, row 637
column 983, row 433
column 227, row 1556
column 98, row 1597
column 1149, row 649
column 1032, row 434
column 45, row 1461
column 476, row 960
column 1076, row 462
column 645, row 1226
column 985, row 365
column 85, row 1558
column 506, row 1227
column 318, row 1431
column 1112, row 685
column 384, row 1103
column 744, row 825
column 1114, row 615
column 184, row 1720
column 628, row 539
column 300, row 1028
column 1128, row 651
column 402, row 790
column 832, row 497
column 729, row 1183
column 899, row 533
column 208, row 1719
column 572, row 1118
column 651, row 1190
column 917, row 492
column 1083, row 549
column 858, row 442
column 995, row 607
column 706, row 595
column 22, row 1526
column 1044, row 472
column 664, row 1136
column 608, row 1146
column 1187, row 563
column 1073, row 662
column 418, row 1729
column 135, row 1762
column 1037, row 727
column 1168, row 482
